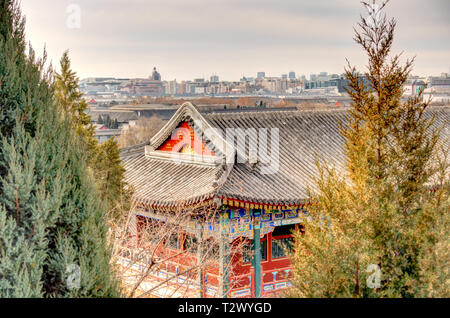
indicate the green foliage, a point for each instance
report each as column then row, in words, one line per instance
column 434, row 226
column 72, row 104
column 109, row 174
column 382, row 211
column 103, row 159
column 51, row 216
column 108, row 121
column 331, row 254
column 70, row 98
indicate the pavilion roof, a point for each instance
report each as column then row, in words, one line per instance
column 304, row 137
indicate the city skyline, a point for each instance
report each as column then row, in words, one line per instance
column 231, row 39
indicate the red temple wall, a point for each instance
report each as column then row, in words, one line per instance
column 239, row 271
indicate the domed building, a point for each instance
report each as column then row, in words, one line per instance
column 155, row 75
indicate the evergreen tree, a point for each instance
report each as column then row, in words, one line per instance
column 108, row 122
column 109, row 175
column 382, row 211
column 70, row 98
column 103, row 160
column 71, row 101
column 52, row 224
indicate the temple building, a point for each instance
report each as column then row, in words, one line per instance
column 253, row 166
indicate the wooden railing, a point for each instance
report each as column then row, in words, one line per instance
column 168, row 274
column 172, row 274
column 275, row 280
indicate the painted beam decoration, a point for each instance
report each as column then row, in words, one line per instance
column 245, row 216
column 241, row 221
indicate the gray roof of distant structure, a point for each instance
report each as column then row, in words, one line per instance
column 121, row 116
column 246, row 109
column 305, row 136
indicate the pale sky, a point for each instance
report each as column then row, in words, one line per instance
column 188, row 39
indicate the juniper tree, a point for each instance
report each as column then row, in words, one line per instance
column 70, row 98
column 434, row 229
column 51, row 217
column 103, row 159
column 109, row 175
column 380, row 211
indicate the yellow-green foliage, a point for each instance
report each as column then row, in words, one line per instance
column 381, row 211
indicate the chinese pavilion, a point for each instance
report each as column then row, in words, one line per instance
column 261, row 193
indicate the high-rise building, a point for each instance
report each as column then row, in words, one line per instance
column 292, row 75
column 214, row 79
column 172, row 87
column 261, row 74
column 284, row 76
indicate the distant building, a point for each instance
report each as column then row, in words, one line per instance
column 102, row 133
column 261, row 74
column 214, row 79
column 144, row 87
column 172, row 88
column 440, row 83
column 199, row 90
column 155, row 75
column 323, row 80
column 291, row 75
column 438, row 88
column 417, row 86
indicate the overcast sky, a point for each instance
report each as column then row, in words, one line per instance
column 188, row 39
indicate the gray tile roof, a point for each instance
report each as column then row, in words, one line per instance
column 121, row 116
column 165, row 183
column 304, row 137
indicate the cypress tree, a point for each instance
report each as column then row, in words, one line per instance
column 109, row 175
column 383, row 220
column 70, row 99
column 53, row 232
column 103, row 159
